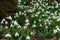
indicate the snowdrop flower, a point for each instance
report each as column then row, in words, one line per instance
column 16, row 34
column 40, row 25
column 2, row 22
column 27, row 20
column 58, row 19
column 25, row 27
column 34, row 25
column 47, row 12
column 39, row 8
column 52, row 7
column 34, row 21
column 56, row 12
column 6, row 27
column 15, row 23
column 25, row 14
column 54, row 17
column 28, row 37
column 39, row 20
column 29, row 10
column 6, row 22
column 27, row 24
column 19, row 12
column 36, row 15
column 8, row 35
column 19, row 26
column 32, row 33
column 9, row 17
column 57, row 28
column 42, row 10
column 55, row 31
column 56, row 5
column 52, row 14
column 32, row 15
column 11, row 25
column 46, row 27
column 49, row 17
column 19, row 1
column 43, row 5
column 16, row 14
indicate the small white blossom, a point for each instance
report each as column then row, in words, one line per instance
column 40, row 25
column 28, row 37
column 8, row 35
column 56, row 5
column 16, row 34
column 6, row 27
column 32, row 33
column 25, row 27
column 34, row 25
column 19, row 1
column 6, row 22
column 58, row 19
column 39, row 20
column 27, row 20
column 15, row 23
column 11, row 25
column 34, row 21
column 36, row 15
column 27, row 24
column 19, row 26
column 57, row 27
column 2, row 22
column 9, row 17
column 55, row 31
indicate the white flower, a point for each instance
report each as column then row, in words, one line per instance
column 57, row 28
column 27, row 20
column 39, row 20
column 6, row 27
column 52, row 7
column 58, row 19
column 2, row 22
column 32, row 33
column 25, row 27
column 11, row 25
column 15, row 23
column 34, row 21
column 36, row 15
column 16, row 14
column 56, row 5
column 16, row 34
column 47, row 12
column 3, row 19
column 8, row 35
column 40, row 25
column 46, row 27
column 9, row 17
column 34, row 25
column 54, row 17
column 32, row 15
column 19, row 26
column 55, row 31
column 27, row 24
column 19, row 1
column 6, row 22
column 28, row 37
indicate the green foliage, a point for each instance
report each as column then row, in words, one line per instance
column 39, row 18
